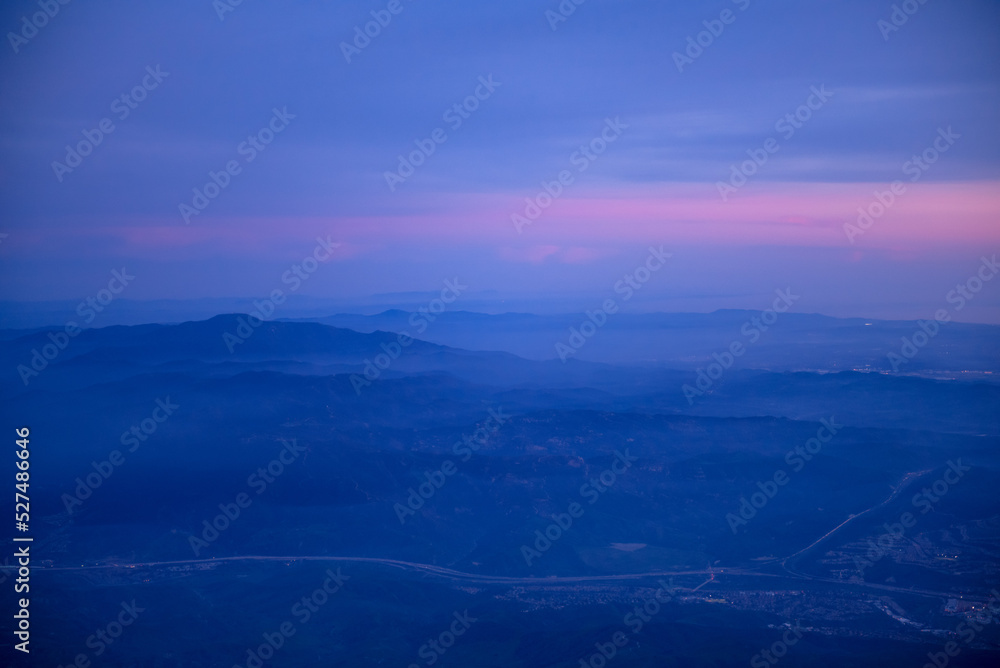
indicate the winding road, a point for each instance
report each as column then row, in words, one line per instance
column 476, row 578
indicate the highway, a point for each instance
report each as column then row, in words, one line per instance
column 452, row 575
column 476, row 578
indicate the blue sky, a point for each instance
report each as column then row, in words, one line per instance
column 324, row 174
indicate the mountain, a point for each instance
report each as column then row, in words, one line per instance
column 179, row 474
column 791, row 342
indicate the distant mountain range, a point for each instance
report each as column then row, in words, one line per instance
column 795, row 341
column 362, row 360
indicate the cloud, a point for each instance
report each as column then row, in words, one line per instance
column 531, row 254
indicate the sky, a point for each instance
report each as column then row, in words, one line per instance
column 644, row 126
